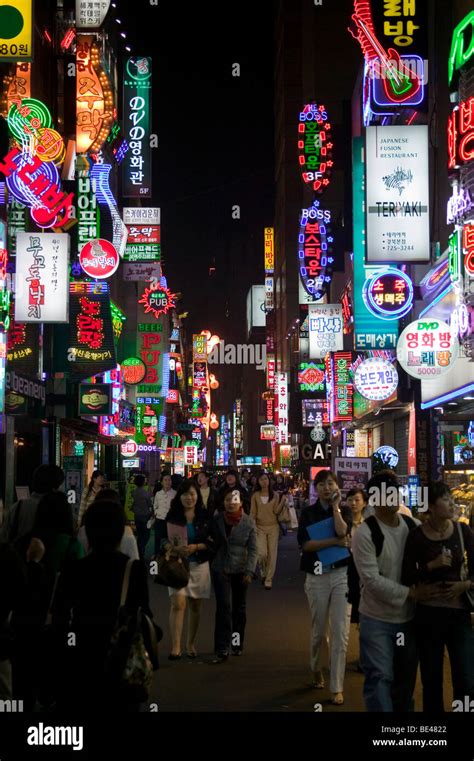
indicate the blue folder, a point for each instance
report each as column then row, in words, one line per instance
column 325, row 530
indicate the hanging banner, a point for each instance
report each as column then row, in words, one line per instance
column 137, row 126
column 42, row 277
column 326, row 329
column 398, row 225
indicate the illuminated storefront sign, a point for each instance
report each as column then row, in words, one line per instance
column 461, row 134
column 339, row 386
column 42, row 277
column 376, row 379
column 141, row 272
column 282, row 407
column 436, row 281
column 397, row 194
column 99, row 259
column 137, row 124
column 4, row 312
column 267, row 433
column 325, row 329
column 94, row 98
column 315, row 146
column 16, row 223
column 35, row 184
column 269, row 238
column 16, row 30
column 271, row 368
column 150, row 340
column 143, row 243
column 140, row 215
column 129, row 448
column 157, row 300
column 100, row 174
column 314, row 412
column 95, row 399
column 468, row 249
column 15, row 87
column 269, row 301
column 173, row 396
column 199, row 375
column 427, row 349
column 88, row 218
column 370, row 332
column 454, row 257
column 199, row 348
column 347, row 310
column 109, row 424
column 315, row 250
column 389, row 294
column 118, row 320
column 270, row 409
column 459, row 204
column 311, row 376
column 133, row 371
column 91, row 15
column 389, row 455
column 91, row 350
column 462, row 45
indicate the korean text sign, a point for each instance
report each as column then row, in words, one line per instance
column 42, row 277
column 137, row 125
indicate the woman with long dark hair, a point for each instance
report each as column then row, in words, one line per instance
column 266, row 509
column 434, row 554
column 89, row 494
column 187, row 534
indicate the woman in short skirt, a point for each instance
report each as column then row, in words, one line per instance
column 187, row 529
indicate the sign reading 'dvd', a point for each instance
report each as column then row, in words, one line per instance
column 95, row 399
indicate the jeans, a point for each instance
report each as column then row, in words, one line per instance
column 143, row 535
column 388, row 657
column 437, row 628
column 231, row 596
column 327, row 599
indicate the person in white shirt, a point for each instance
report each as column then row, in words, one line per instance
column 161, row 506
column 388, row 652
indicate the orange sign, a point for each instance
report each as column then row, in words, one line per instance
column 94, row 99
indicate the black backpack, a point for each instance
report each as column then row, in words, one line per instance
column 377, row 533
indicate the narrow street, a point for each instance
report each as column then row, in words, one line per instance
column 273, row 674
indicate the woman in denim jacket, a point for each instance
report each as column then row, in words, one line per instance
column 234, row 537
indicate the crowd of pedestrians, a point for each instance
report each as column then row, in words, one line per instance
column 75, row 618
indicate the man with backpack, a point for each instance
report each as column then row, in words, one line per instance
column 388, row 653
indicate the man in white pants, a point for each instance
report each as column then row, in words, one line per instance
column 326, row 586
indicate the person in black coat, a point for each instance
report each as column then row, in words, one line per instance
column 208, row 494
column 232, row 481
column 85, row 609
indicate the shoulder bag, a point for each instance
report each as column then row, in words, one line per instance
column 173, row 571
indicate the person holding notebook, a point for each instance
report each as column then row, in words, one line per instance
column 324, row 559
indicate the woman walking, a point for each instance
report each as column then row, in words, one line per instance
column 187, row 530
column 89, row 494
column 326, row 582
column 266, row 508
column 434, row 554
column 235, row 544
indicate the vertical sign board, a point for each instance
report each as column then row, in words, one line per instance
column 137, row 126
column 91, row 15
column 369, row 331
column 326, row 329
column 42, row 277
column 398, row 226
column 282, row 391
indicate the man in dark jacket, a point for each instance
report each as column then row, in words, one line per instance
column 142, row 509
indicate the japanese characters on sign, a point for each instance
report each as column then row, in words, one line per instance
column 427, row 349
column 42, row 277
column 325, row 329
column 397, row 194
column 94, row 98
column 389, row 294
column 315, row 146
column 16, row 31
column 376, row 379
column 315, row 250
column 137, row 124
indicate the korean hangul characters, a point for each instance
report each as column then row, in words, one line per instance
column 444, row 358
column 400, row 298
column 427, row 339
column 389, row 298
column 445, row 340
column 403, row 35
column 428, row 358
column 136, row 178
column 137, row 162
column 412, row 340
column 413, row 360
column 379, row 299
column 35, row 294
column 23, row 50
column 90, row 122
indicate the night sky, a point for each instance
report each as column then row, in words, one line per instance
column 215, row 148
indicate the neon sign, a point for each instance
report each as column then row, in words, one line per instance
column 35, row 183
column 459, row 204
column 311, row 376
column 461, row 135
column 468, row 248
column 269, row 236
column 376, row 379
column 133, row 371
column 99, row 259
column 94, row 98
column 137, row 121
column 315, row 146
column 460, row 51
column 157, row 300
column 389, row 295
column 315, row 250
column 101, row 185
column 339, row 387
